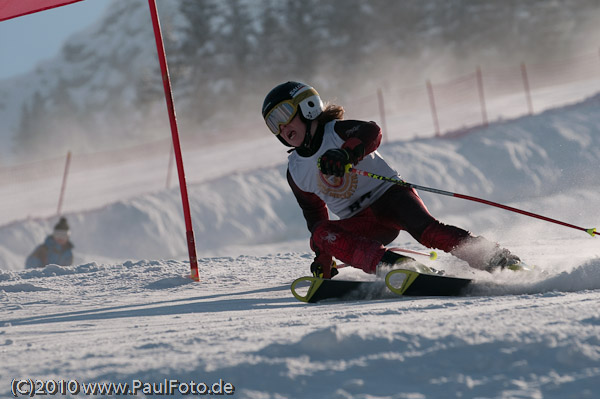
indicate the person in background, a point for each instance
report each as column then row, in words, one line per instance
column 371, row 212
column 56, row 249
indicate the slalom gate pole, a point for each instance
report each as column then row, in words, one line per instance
column 590, row 231
column 162, row 58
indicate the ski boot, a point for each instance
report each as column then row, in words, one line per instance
column 504, row 259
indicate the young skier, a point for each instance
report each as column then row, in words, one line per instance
column 371, row 212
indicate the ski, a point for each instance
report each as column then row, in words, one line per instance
column 399, row 281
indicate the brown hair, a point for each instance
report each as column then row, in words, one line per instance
column 331, row 112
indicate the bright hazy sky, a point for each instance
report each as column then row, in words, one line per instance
column 25, row 41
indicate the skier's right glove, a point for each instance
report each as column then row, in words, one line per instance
column 323, row 266
column 338, row 161
column 334, row 162
column 318, row 270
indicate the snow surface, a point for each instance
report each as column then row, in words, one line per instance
column 126, row 310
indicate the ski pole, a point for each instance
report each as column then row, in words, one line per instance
column 431, row 255
column 590, row 231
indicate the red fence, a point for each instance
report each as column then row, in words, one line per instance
column 479, row 97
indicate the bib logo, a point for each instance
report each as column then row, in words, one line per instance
column 337, row 187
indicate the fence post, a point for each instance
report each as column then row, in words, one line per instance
column 382, row 113
column 64, row 184
column 436, row 123
column 481, row 97
column 526, row 86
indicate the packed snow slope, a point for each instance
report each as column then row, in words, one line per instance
column 127, row 313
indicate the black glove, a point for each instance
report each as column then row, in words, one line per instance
column 317, row 270
column 334, row 162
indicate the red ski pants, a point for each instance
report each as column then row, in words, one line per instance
column 360, row 239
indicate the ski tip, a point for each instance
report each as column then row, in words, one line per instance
column 398, row 280
column 307, row 286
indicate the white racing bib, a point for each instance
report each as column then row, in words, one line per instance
column 345, row 196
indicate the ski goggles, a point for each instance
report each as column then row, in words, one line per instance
column 285, row 111
column 280, row 115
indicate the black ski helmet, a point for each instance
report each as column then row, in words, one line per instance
column 282, row 103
